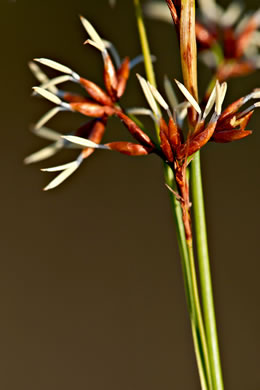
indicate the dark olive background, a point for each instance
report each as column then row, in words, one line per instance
column 91, row 292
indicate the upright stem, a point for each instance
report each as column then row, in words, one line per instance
column 205, row 274
column 186, row 251
column 144, row 43
column 189, row 67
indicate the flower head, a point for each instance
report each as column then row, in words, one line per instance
column 222, row 35
column 99, row 104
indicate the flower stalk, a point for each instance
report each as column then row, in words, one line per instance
column 189, row 67
column 182, row 214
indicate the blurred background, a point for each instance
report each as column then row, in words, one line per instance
column 91, row 291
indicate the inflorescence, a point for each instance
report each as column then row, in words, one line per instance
column 176, row 149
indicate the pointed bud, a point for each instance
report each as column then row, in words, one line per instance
column 230, row 135
column 110, row 77
column 165, row 144
column 196, row 142
column 174, row 135
column 92, row 109
column 96, row 92
column 93, row 130
column 129, row 148
column 135, row 131
column 73, row 98
column 230, row 111
column 122, row 76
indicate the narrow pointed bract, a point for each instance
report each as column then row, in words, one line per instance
column 148, row 94
column 48, row 95
column 41, row 76
column 44, row 153
column 86, row 143
column 62, row 176
column 57, row 66
column 92, row 32
column 46, row 133
column 188, row 96
column 46, row 117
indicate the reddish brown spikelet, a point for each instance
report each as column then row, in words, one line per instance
column 122, row 76
column 174, row 134
column 96, row 92
column 165, row 144
column 129, row 148
column 230, row 135
column 71, row 98
column 110, row 77
column 164, row 127
column 91, row 109
column 136, row 132
column 229, row 112
column 194, row 143
column 93, row 130
column 243, row 39
column 229, row 43
column 234, row 69
column 204, row 37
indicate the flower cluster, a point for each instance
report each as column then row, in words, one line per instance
column 227, row 43
column 100, row 104
column 174, row 147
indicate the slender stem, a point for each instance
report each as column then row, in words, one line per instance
column 200, row 324
column 185, row 252
column 191, row 290
column 205, row 274
column 144, row 43
column 189, row 67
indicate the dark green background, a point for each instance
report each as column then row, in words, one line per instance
column 91, row 292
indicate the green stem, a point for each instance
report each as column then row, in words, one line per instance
column 144, row 43
column 186, row 253
column 199, row 319
column 205, row 274
column 191, row 289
